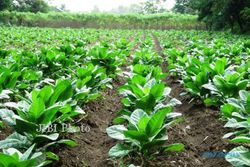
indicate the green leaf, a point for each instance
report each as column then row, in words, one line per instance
column 46, row 93
column 24, row 126
column 28, row 153
column 156, row 122
column 1, row 124
column 136, row 116
column 157, row 90
column 116, row 132
column 49, row 115
column 146, row 103
column 143, row 123
column 15, row 140
column 53, row 137
column 7, row 160
column 174, row 147
column 53, row 156
column 220, row 65
column 242, row 85
column 63, row 91
column 136, row 135
column 7, row 116
column 233, row 123
column 70, row 143
column 239, row 157
column 241, row 139
column 119, row 150
column 227, row 110
column 36, row 109
column 244, row 95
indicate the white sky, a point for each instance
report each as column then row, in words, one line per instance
column 103, row 5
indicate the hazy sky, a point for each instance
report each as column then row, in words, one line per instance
column 104, row 5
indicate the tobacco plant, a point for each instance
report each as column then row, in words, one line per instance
column 145, row 134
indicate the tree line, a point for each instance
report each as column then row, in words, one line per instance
column 33, row 6
column 218, row 14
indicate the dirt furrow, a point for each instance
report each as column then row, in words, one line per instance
column 94, row 145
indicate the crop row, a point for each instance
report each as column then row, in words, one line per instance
column 141, row 125
column 216, row 70
column 42, row 91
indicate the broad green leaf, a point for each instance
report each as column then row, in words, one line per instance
column 63, row 91
column 239, row 157
column 119, row 150
column 136, row 116
column 15, row 140
column 136, row 135
column 36, row 109
column 116, row 132
column 157, row 90
column 7, row 116
column 156, row 122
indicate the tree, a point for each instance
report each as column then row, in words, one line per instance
column 153, row 6
column 149, row 7
column 31, row 6
column 233, row 12
column 218, row 14
column 183, row 6
column 5, row 4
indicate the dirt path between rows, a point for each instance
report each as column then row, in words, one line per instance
column 94, row 145
column 201, row 130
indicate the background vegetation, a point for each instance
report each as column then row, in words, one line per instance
column 223, row 14
column 136, row 21
column 217, row 15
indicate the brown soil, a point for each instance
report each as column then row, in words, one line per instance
column 201, row 132
column 5, row 132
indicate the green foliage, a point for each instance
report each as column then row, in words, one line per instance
column 147, row 95
column 238, row 113
column 183, row 6
column 152, row 6
column 101, row 56
column 90, row 79
column 224, row 87
column 239, row 156
column 219, row 76
column 101, row 20
column 5, row 4
column 144, row 134
column 13, row 157
column 63, row 71
column 147, row 57
column 44, row 109
column 147, row 71
column 8, row 78
column 219, row 14
column 33, row 6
